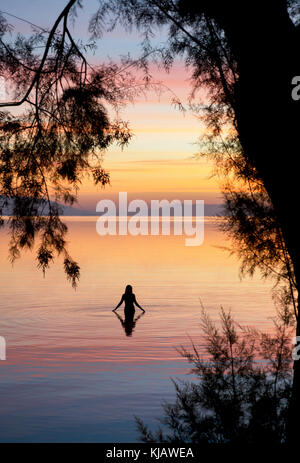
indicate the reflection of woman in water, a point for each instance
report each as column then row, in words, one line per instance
column 129, row 310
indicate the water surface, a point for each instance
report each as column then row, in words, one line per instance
column 72, row 374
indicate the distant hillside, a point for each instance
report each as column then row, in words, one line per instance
column 210, row 210
column 67, row 210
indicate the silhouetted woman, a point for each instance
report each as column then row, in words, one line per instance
column 130, row 300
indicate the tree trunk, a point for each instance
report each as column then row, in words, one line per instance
column 265, row 44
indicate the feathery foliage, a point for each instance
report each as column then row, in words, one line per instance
column 242, row 391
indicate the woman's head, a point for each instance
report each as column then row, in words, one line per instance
column 128, row 289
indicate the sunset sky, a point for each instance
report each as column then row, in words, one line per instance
column 99, row 308
column 158, row 163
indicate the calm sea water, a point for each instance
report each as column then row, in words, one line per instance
column 71, row 373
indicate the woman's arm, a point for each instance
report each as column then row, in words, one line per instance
column 136, row 303
column 119, row 303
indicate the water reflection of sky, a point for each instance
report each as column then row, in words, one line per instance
column 71, row 373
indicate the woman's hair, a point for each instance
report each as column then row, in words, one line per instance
column 128, row 289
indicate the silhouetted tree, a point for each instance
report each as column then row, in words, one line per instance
column 59, row 133
column 245, row 56
column 250, row 219
column 243, row 387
